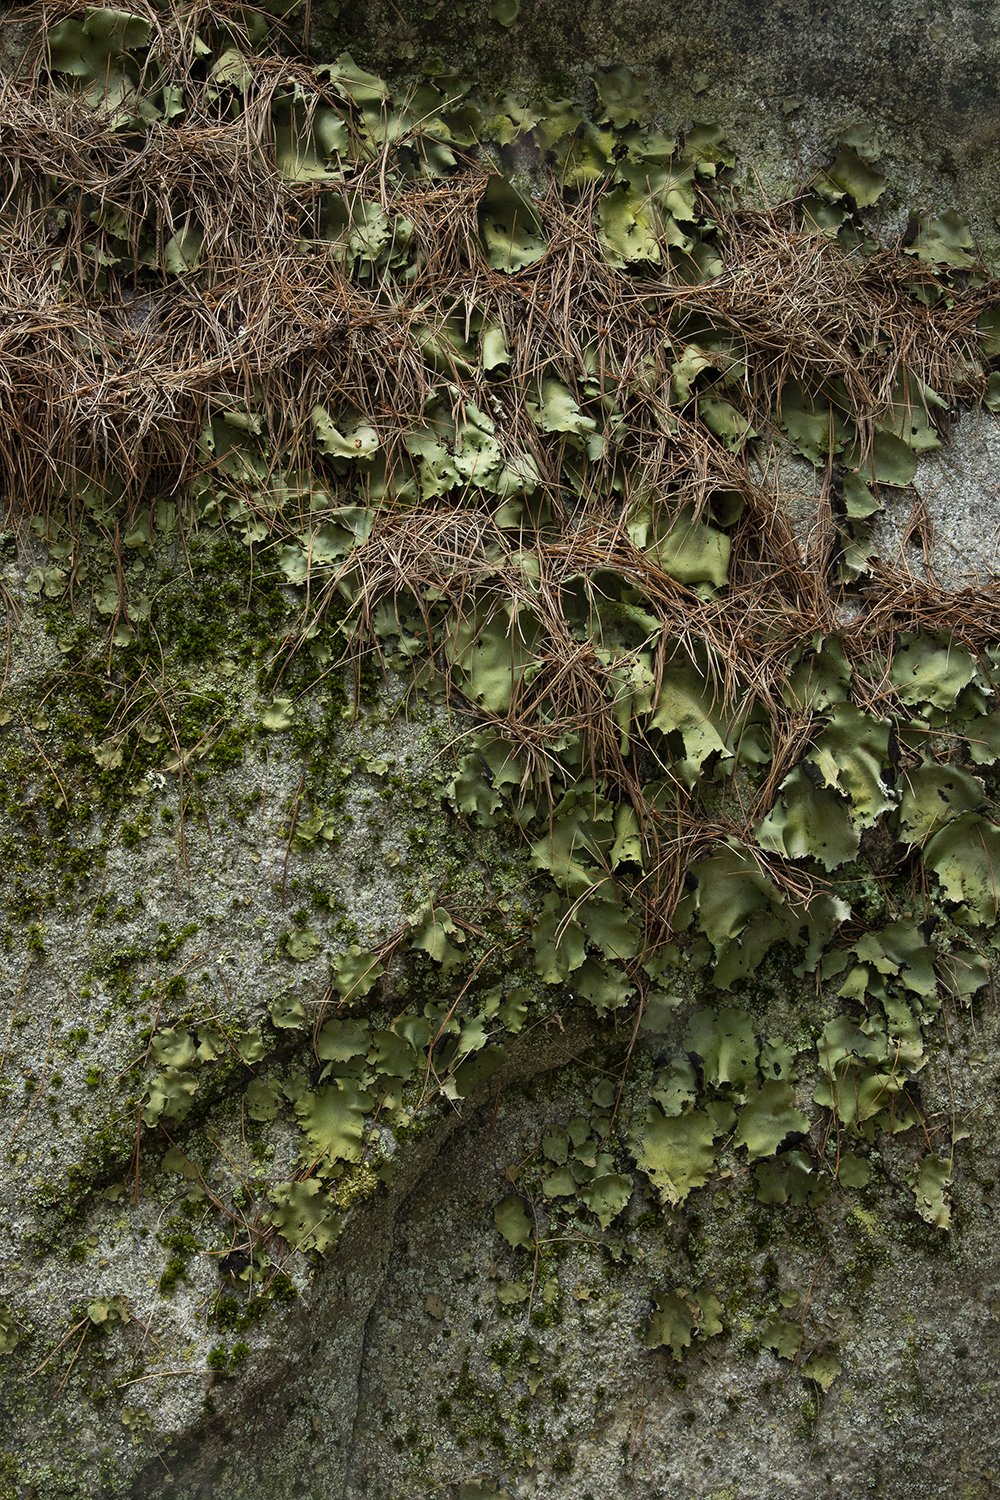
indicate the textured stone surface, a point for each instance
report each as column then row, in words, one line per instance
column 408, row 1377
column 405, row 1366
column 402, row 1369
column 785, row 77
column 609, row 1418
column 950, row 520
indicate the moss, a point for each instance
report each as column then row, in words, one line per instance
column 113, row 963
column 238, row 1355
column 805, row 1425
column 237, row 1315
column 358, row 1185
column 167, row 942
column 174, row 1271
column 10, row 1477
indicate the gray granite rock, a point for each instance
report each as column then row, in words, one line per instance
column 948, row 524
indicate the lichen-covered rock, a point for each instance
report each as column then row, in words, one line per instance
column 949, row 525
column 498, row 825
column 785, row 80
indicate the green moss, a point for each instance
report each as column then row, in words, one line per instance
column 174, row 1271
column 10, row 1477
column 805, row 1425
column 167, row 942
column 236, row 1315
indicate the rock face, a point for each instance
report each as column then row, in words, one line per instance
column 952, row 523
column 575, row 1407
column 498, row 758
column 782, row 77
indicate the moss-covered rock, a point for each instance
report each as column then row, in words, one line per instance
column 497, row 894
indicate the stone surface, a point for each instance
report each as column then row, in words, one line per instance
column 949, row 523
column 426, row 1355
column 579, row 1408
column 402, row 1369
column 786, row 78
column 409, row 1376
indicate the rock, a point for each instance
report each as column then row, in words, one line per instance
column 949, row 524
column 507, row 1010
